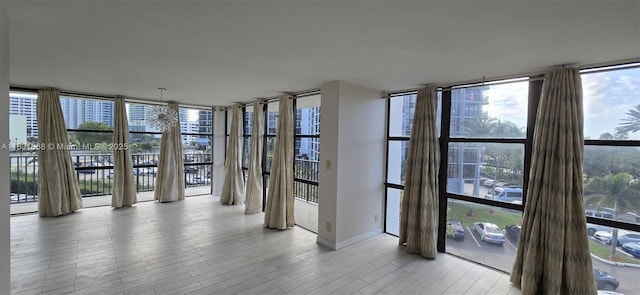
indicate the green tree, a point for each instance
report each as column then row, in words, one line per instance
column 92, row 138
column 492, row 127
column 605, row 160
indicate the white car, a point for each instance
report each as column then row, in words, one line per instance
column 489, row 183
column 593, row 228
column 489, row 232
column 604, row 236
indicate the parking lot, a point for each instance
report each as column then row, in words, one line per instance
column 502, row 257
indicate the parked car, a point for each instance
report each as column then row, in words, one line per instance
column 139, row 171
column 628, row 237
column 489, row 183
column 199, row 180
column 601, row 214
column 86, row 171
column 489, row 232
column 602, row 235
column 605, row 281
column 623, row 237
column 492, row 193
column 510, row 195
column 632, row 248
column 513, row 232
column 593, row 228
column 455, row 229
column 190, row 169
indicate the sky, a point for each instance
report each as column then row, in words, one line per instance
column 607, row 97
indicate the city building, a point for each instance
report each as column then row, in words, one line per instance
column 78, row 110
column 25, row 105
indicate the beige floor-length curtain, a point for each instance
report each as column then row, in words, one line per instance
column 279, row 208
column 254, row 181
column 553, row 255
column 419, row 213
column 170, row 175
column 58, row 190
column 124, row 185
column 233, row 186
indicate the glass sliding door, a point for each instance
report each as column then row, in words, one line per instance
column 306, row 161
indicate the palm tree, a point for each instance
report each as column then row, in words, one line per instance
column 481, row 127
column 632, row 122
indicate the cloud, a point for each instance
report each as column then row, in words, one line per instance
column 607, row 97
column 595, row 88
column 630, row 83
column 508, row 102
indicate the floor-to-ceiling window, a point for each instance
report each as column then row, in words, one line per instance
column 485, row 167
column 195, row 127
column 89, row 124
column 306, row 160
column 144, row 139
column 23, row 138
column 306, row 151
column 271, row 121
column 611, row 170
column 247, row 121
column 486, row 149
column 401, row 108
column 89, row 121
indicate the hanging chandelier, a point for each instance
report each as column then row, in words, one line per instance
column 162, row 117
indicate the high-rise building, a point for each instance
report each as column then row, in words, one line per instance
column 465, row 159
column 78, row 110
column 25, row 105
column 138, row 117
column 307, row 123
column 204, row 121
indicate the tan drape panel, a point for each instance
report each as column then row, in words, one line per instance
column 279, row 208
column 254, row 181
column 233, row 186
column 170, row 176
column 419, row 212
column 553, row 254
column 124, row 185
column 58, row 191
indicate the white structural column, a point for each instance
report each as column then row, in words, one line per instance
column 351, row 194
column 5, row 261
column 219, row 146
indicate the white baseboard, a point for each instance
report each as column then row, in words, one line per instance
column 337, row 246
column 324, row 242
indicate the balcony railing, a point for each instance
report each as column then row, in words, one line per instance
column 305, row 185
column 305, row 177
column 95, row 174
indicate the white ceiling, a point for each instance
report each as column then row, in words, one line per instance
column 219, row 52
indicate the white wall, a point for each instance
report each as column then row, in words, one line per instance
column 327, row 174
column 219, row 147
column 352, row 164
column 5, row 262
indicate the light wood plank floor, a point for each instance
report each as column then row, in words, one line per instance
column 198, row 246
